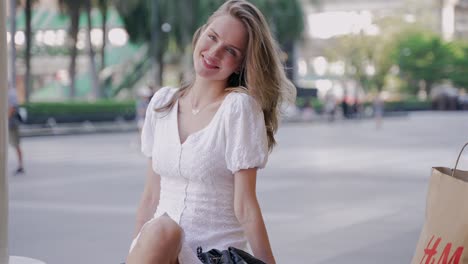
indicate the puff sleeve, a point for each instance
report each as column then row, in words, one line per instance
column 246, row 137
column 148, row 129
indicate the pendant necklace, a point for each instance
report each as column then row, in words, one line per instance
column 195, row 111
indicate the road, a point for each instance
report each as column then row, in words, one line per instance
column 340, row 192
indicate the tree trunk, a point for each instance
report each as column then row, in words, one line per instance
column 288, row 47
column 187, row 58
column 161, row 70
column 75, row 16
column 155, row 43
column 104, row 35
column 92, row 62
column 103, row 8
column 27, row 56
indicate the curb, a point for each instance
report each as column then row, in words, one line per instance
column 24, row 260
column 131, row 126
column 77, row 128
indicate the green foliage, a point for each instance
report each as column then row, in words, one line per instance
column 285, row 17
column 411, row 104
column 74, row 107
column 69, row 112
column 459, row 64
column 316, row 103
column 359, row 53
column 362, row 51
column 423, row 56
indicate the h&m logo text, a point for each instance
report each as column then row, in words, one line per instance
column 430, row 253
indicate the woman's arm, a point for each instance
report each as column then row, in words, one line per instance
column 248, row 213
column 149, row 199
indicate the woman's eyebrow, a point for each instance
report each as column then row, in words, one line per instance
column 230, row 45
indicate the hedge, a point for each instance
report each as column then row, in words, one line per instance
column 66, row 112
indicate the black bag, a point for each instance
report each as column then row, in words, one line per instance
column 19, row 117
column 230, row 256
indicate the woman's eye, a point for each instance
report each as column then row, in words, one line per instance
column 231, row 51
column 212, row 37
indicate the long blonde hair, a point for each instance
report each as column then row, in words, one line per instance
column 262, row 74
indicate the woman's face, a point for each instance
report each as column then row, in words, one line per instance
column 221, row 48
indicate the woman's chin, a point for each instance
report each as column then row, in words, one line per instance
column 209, row 76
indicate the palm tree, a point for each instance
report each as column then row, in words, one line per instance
column 27, row 55
column 103, row 6
column 138, row 18
column 92, row 63
column 73, row 8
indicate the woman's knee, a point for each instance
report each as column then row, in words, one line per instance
column 161, row 232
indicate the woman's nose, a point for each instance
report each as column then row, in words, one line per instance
column 215, row 51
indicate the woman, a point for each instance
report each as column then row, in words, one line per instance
column 206, row 141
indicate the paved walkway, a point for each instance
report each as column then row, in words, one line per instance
column 341, row 193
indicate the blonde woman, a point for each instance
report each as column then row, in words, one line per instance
column 206, row 141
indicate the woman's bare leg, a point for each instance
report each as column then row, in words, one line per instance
column 159, row 243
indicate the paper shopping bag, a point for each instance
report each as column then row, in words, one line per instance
column 444, row 237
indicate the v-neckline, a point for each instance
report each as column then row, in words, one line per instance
column 179, row 140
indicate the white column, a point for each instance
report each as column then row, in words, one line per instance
column 4, row 254
column 448, row 19
column 3, row 138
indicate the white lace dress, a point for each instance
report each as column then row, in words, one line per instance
column 197, row 176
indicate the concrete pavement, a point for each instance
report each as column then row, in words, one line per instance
column 331, row 193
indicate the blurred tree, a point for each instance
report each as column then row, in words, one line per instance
column 27, row 53
column 73, row 8
column 367, row 59
column 422, row 56
column 96, row 91
column 137, row 17
column 356, row 51
column 459, row 64
column 286, row 19
column 103, row 6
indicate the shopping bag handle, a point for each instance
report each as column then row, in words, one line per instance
column 456, row 163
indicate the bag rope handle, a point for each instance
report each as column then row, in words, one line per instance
column 456, row 163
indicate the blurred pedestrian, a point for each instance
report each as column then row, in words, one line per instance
column 345, row 106
column 144, row 95
column 14, row 120
column 378, row 106
column 207, row 139
column 330, row 105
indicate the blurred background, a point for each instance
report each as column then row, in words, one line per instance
column 381, row 99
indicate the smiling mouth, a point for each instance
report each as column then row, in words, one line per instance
column 209, row 63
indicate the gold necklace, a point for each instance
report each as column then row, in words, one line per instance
column 195, row 111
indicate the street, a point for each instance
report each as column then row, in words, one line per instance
column 340, row 193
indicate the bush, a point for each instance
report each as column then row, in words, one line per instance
column 408, row 105
column 316, row 104
column 70, row 112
